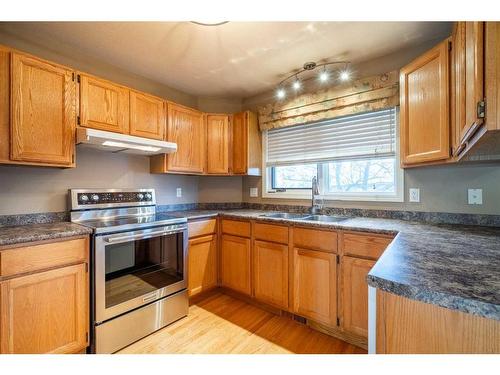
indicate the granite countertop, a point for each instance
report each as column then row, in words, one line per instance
column 453, row 266
column 38, row 232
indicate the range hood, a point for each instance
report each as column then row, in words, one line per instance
column 129, row 144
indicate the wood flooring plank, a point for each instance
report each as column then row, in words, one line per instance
column 221, row 324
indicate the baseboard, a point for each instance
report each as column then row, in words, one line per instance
column 353, row 339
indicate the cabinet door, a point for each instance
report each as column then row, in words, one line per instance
column 355, row 295
column 147, row 116
column 103, row 105
column 240, row 143
column 474, row 77
column 271, row 273
column 186, row 128
column 43, row 112
column 235, row 263
column 315, row 285
column 202, row 261
column 45, row 312
column 424, row 99
column 217, row 144
column 4, row 105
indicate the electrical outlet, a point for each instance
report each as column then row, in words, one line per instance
column 475, row 196
column 414, row 195
column 179, row 192
column 254, row 192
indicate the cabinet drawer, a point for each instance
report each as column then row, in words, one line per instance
column 270, row 232
column 38, row 257
column 315, row 239
column 235, row 227
column 365, row 245
column 202, row 227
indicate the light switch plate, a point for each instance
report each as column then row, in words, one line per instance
column 475, row 196
column 414, row 195
column 179, row 192
column 254, row 192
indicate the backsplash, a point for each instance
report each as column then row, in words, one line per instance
column 418, row 216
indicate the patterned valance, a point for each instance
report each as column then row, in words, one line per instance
column 362, row 95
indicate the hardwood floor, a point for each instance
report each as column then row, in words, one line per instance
column 221, row 324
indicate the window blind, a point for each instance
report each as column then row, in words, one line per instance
column 355, row 136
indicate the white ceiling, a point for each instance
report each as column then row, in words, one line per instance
column 237, row 59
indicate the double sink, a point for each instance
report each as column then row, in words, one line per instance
column 308, row 217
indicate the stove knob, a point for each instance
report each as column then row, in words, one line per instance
column 95, row 197
column 140, row 196
column 148, row 196
column 84, row 198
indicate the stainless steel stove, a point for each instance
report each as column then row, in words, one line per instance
column 138, row 264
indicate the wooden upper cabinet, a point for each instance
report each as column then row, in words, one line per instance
column 217, row 143
column 354, row 295
column 147, row 116
column 4, row 105
column 246, row 148
column 424, row 100
column 315, row 285
column 186, row 128
column 103, row 105
column 46, row 312
column 469, row 81
column 42, row 112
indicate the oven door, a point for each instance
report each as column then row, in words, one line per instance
column 135, row 268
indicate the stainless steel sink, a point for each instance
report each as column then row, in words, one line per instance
column 285, row 215
column 324, row 218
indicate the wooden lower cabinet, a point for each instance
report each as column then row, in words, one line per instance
column 202, row 264
column 315, row 285
column 271, row 273
column 354, row 294
column 45, row 312
column 236, row 263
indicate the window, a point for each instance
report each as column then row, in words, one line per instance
column 354, row 157
column 293, row 176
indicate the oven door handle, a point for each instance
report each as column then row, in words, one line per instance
column 140, row 235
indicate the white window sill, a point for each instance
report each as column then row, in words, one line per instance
column 328, row 197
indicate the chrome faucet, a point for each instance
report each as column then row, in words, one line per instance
column 315, row 191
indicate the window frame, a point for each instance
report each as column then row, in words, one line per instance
column 297, row 193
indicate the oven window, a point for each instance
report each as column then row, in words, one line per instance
column 139, row 267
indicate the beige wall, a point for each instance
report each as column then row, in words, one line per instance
column 71, row 57
column 442, row 189
column 220, row 189
column 35, row 189
column 219, row 105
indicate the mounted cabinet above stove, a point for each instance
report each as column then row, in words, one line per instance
column 210, row 143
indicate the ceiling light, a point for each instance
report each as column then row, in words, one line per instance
column 323, row 76
column 345, row 75
column 296, row 84
column 280, row 93
column 128, row 145
column 209, row 22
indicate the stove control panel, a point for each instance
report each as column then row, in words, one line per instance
column 120, row 198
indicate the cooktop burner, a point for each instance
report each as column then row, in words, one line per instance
column 114, row 210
